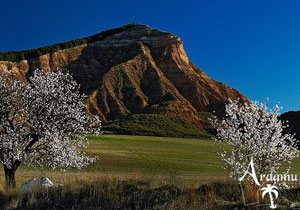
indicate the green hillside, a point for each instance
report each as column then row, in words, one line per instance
column 155, row 125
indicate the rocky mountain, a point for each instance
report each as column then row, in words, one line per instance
column 137, row 70
column 292, row 118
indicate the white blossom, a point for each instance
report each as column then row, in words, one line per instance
column 43, row 121
column 253, row 130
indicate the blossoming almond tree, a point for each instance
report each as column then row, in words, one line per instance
column 252, row 130
column 43, row 122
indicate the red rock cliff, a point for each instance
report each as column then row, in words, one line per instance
column 140, row 70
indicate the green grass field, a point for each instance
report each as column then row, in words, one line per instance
column 154, row 155
column 147, row 155
column 189, row 160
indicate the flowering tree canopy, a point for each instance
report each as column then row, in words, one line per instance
column 43, row 122
column 252, row 130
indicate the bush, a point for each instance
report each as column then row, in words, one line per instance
column 154, row 125
column 95, row 195
column 118, row 195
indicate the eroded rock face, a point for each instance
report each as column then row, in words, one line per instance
column 140, row 70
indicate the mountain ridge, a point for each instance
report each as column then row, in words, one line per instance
column 292, row 119
column 15, row 56
column 138, row 70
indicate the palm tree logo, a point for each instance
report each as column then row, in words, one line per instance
column 270, row 189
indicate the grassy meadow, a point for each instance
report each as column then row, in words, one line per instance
column 188, row 160
column 139, row 172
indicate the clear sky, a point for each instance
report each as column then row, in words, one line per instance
column 251, row 45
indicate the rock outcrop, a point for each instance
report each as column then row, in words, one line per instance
column 37, row 182
column 139, row 70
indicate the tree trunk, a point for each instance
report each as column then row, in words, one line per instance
column 10, row 177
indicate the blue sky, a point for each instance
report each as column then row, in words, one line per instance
column 251, row 45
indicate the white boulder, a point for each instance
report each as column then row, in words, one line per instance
column 295, row 205
column 37, row 182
